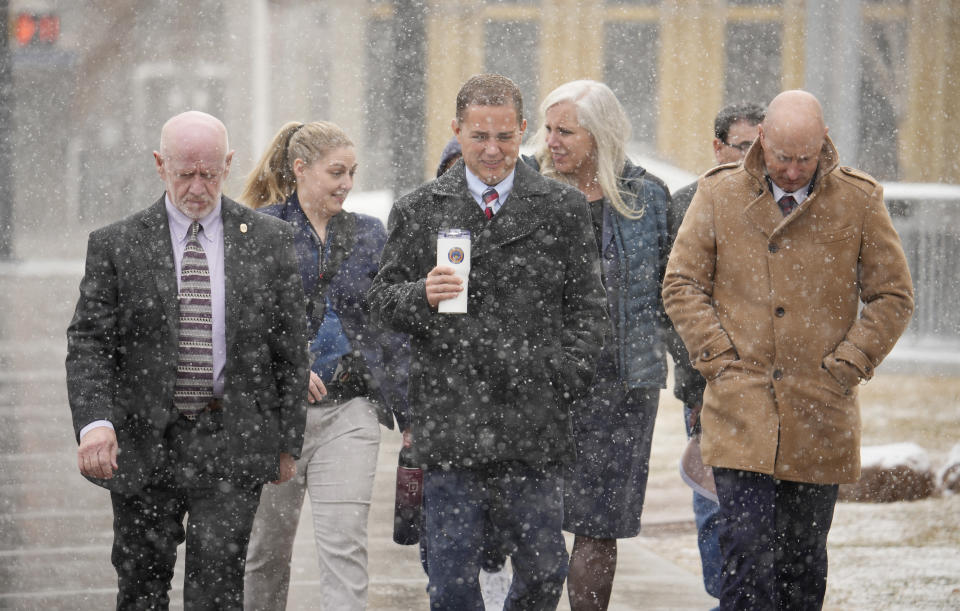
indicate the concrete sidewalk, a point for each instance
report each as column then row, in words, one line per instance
column 56, row 528
column 397, row 583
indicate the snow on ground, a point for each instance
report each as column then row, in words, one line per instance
column 893, row 455
column 948, row 477
column 895, row 555
column 883, row 556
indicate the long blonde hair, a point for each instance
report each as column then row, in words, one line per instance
column 272, row 179
column 600, row 113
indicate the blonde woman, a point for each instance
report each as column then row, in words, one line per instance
column 581, row 141
column 358, row 376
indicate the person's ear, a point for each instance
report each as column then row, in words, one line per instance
column 226, row 167
column 298, row 167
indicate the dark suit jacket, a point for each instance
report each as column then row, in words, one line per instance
column 122, row 342
column 495, row 384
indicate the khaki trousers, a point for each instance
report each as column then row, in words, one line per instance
column 337, row 468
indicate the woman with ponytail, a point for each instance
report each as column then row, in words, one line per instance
column 358, row 376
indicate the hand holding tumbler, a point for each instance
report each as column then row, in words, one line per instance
column 453, row 250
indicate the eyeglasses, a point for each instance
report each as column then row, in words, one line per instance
column 743, row 147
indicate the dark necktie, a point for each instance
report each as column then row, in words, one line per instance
column 490, row 197
column 787, row 204
column 194, row 387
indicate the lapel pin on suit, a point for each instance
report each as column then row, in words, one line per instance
column 243, row 228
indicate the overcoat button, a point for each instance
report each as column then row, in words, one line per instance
column 780, row 312
column 773, row 248
column 777, row 374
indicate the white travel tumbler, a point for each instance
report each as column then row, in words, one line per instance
column 453, row 250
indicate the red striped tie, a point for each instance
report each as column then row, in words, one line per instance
column 490, row 196
column 787, row 204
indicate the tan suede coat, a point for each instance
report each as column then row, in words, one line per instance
column 768, row 309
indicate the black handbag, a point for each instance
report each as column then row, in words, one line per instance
column 351, row 379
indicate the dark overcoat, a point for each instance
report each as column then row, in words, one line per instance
column 495, row 384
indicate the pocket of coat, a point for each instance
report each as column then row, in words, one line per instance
column 836, row 235
column 833, row 384
column 716, row 357
column 267, row 399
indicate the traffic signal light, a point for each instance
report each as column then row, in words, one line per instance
column 36, row 29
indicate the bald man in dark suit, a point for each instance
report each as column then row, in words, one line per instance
column 186, row 373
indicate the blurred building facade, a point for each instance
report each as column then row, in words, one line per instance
column 88, row 107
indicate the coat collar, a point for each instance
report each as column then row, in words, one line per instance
column 519, row 216
column 763, row 211
column 159, row 249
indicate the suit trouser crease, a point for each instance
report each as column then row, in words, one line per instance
column 525, row 505
column 336, row 468
column 773, row 541
column 149, row 525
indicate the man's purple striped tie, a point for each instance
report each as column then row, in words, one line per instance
column 194, row 387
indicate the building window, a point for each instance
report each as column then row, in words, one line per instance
column 630, row 69
column 379, row 108
column 882, row 96
column 753, row 64
column 512, row 48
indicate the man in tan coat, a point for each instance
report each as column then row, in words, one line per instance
column 764, row 282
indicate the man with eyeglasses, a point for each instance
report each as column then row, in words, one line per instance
column 788, row 284
column 735, row 128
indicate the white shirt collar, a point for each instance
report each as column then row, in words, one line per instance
column 477, row 187
column 799, row 195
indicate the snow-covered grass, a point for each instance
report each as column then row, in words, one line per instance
column 882, row 556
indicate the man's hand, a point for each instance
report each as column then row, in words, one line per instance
column 97, row 454
column 407, row 438
column 442, row 283
column 316, row 391
column 288, row 468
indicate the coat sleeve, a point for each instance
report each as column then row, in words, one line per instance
column 92, row 339
column 688, row 384
column 288, row 340
column 394, row 348
column 688, row 289
column 398, row 295
column 886, row 291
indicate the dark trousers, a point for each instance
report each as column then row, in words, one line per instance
column 773, row 540
column 524, row 505
column 149, row 525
